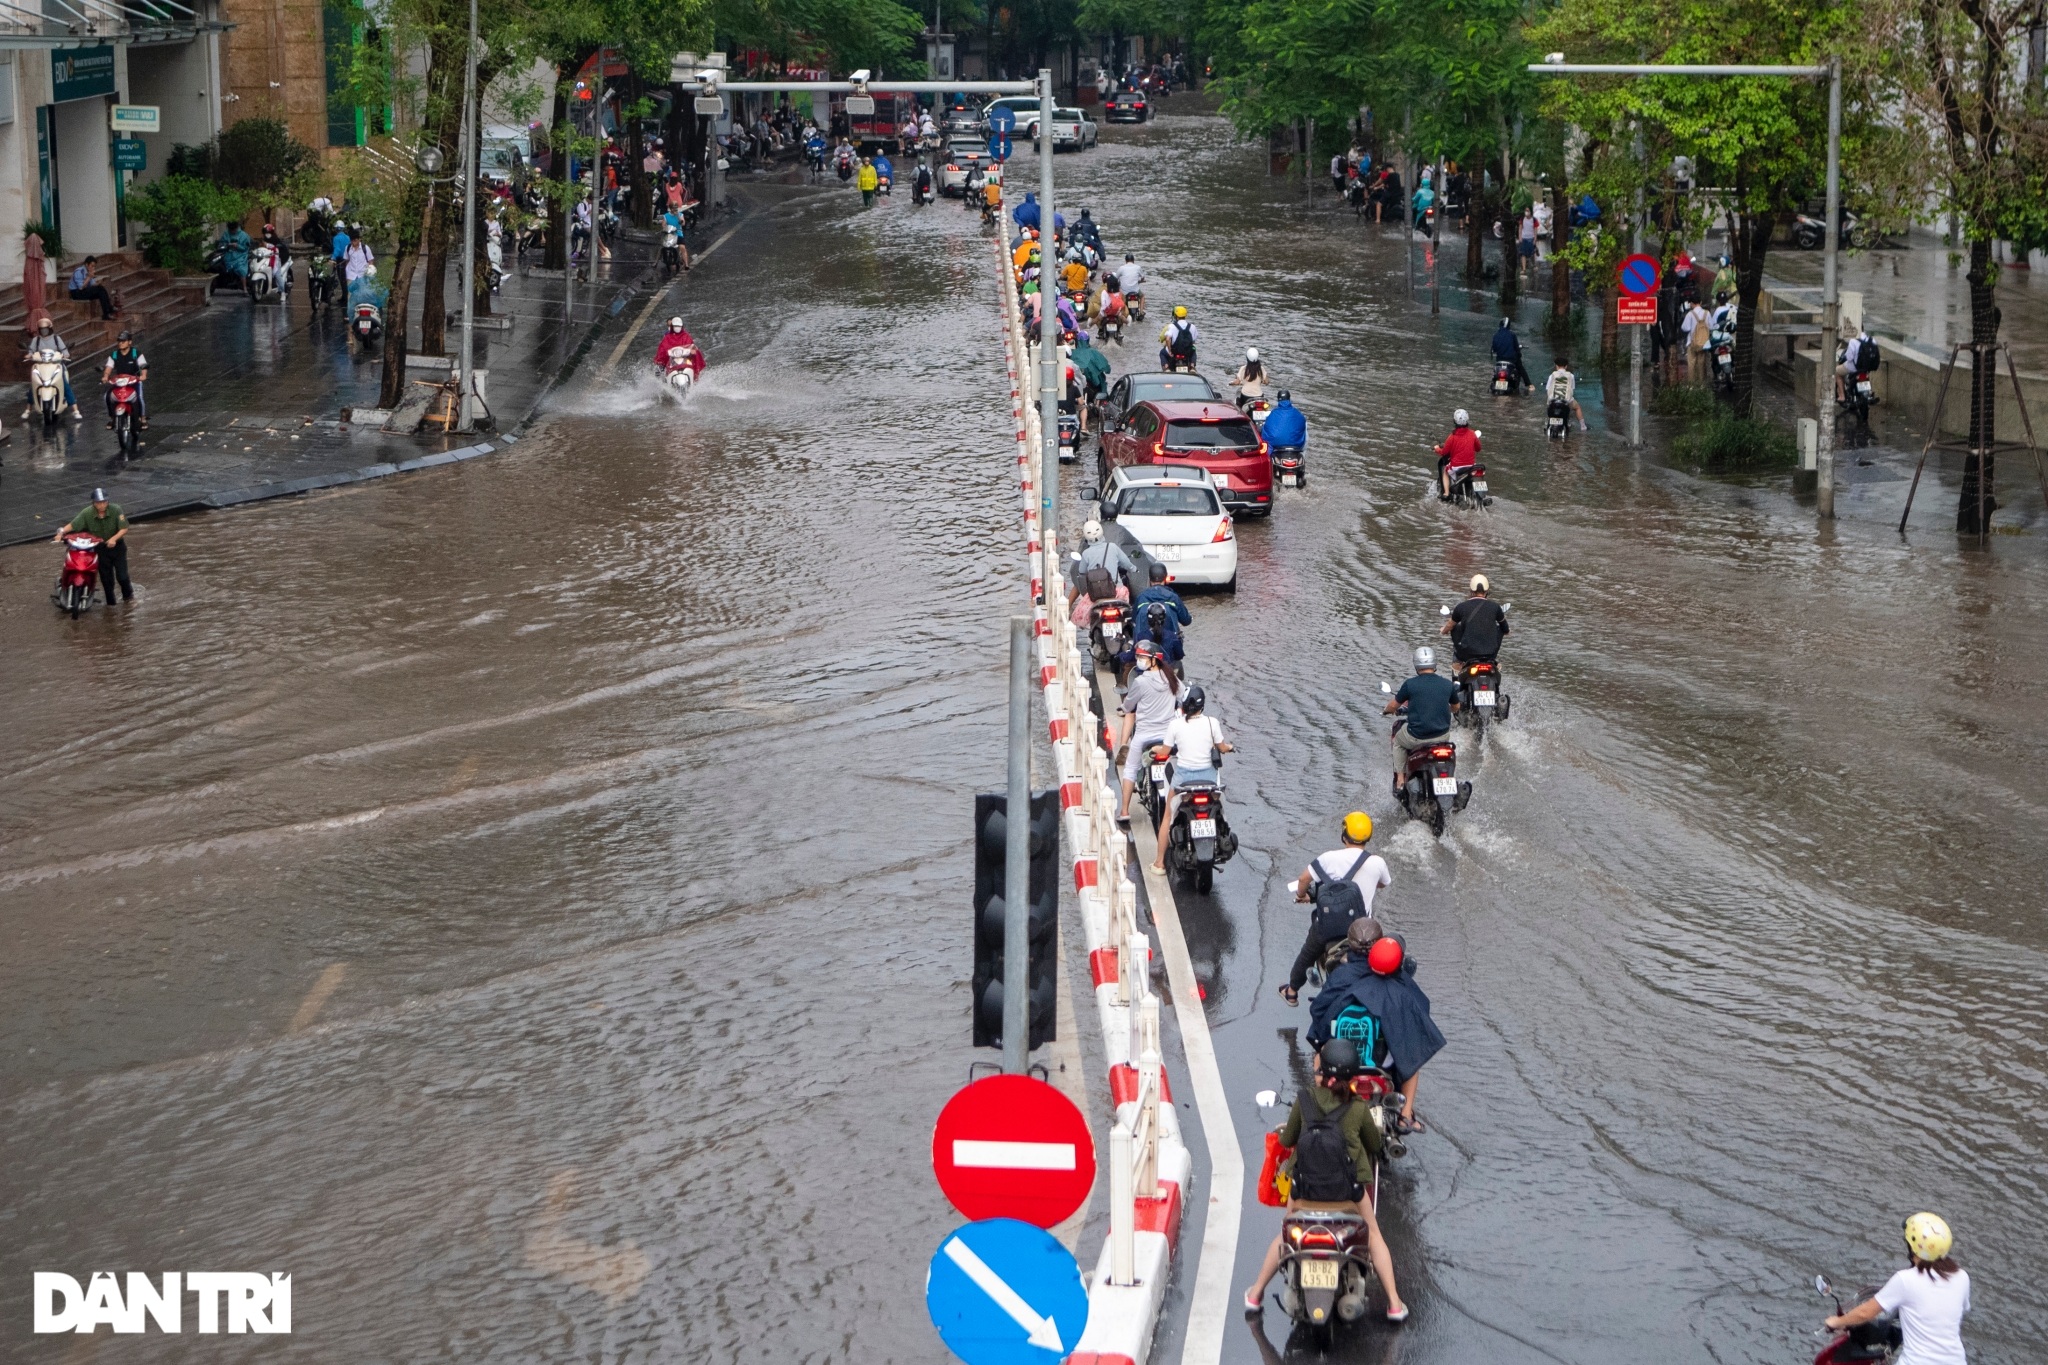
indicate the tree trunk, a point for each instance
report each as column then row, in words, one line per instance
column 1510, row 273
column 444, row 130
column 1610, row 331
column 398, row 307
column 1560, row 273
column 1751, row 241
column 1475, row 232
column 636, row 151
column 1980, row 467
column 557, row 257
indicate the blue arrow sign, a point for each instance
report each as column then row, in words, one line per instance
column 1002, row 1292
column 1002, row 119
column 999, row 146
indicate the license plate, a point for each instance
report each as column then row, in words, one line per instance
column 1112, row 630
column 1863, row 386
column 1483, row 698
column 1320, row 1274
column 1478, row 485
column 1446, row 786
column 1289, row 481
column 1166, row 554
column 1158, row 774
column 1201, row 829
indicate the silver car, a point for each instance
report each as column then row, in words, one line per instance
column 962, row 154
column 1072, row 130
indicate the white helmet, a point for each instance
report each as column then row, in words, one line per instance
column 675, row 324
column 1251, row 353
column 1461, row 418
column 1091, row 531
column 1479, row 583
column 1425, row 658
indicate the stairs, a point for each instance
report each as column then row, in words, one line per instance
column 149, row 299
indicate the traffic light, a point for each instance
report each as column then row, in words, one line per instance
column 991, row 848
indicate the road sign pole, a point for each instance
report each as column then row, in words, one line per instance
column 1635, row 340
column 1048, row 341
column 1830, row 303
column 1017, row 864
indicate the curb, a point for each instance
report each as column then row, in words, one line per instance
column 1123, row 1310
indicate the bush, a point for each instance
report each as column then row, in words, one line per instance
column 1684, row 400
column 53, row 241
column 183, row 215
column 1729, row 441
column 256, row 154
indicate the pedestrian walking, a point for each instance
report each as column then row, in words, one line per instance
column 106, row 520
column 1696, row 327
column 868, row 179
column 1525, row 242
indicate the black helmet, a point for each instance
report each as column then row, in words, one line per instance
column 1157, row 572
column 1193, row 700
column 125, row 336
column 1340, row 1059
column 1283, row 396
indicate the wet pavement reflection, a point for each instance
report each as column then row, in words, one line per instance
column 527, row 901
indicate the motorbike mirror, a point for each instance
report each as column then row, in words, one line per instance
column 1508, row 608
column 1385, row 688
column 1822, row 1287
column 1443, row 611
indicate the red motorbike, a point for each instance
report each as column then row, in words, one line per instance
column 1865, row 1344
column 127, row 393
column 1430, row 787
column 81, row 571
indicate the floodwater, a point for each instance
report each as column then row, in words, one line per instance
column 528, row 902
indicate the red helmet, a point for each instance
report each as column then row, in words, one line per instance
column 1384, row 957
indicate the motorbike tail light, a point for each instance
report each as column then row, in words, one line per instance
column 1443, row 753
column 1223, row 533
column 1319, row 1237
column 1201, row 800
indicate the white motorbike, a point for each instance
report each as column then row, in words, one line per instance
column 494, row 256
column 270, row 271
column 46, row 387
column 680, row 375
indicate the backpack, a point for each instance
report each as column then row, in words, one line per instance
column 1162, row 629
column 1323, row 1168
column 1360, row 1025
column 1099, row 584
column 1181, row 346
column 1867, row 356
column 1345, row 894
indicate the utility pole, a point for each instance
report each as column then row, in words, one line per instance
column 466, row 419
column 1017, row 860
column 1635, row 331
column 1830, row 305
column 1048, row 341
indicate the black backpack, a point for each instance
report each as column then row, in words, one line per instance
column 1867, row 356
column 1099, row 584
column 1343, row 896
column 1323, row 1168
column 1181, row 346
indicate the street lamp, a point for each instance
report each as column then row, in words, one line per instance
column 1554, row 64
column 428, row 159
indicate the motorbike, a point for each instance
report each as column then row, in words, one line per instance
column 1179, row 364
column 81, row 570
column 1070, row 437
column 1481, row 696
column 366, row 322
column 1876, row 1340
column 1290, row 466
column 679, row 376
column 321, row 278
column 1722, row 345
column 1503, row 378
column 1110, row 329
column 1325, row 1265
column 924, row 194
column 1430, row 788
column 1109, row 625
column 1256, row 409
column 494, row 263
column 989, row 211
column 1857, row 391
column 1199, row 840
column 270, row 271
column 1557, row 416
column 125, row 396
column 1468, row 487
column 46, row 388
column 1134, row 299
column 671, row 253
column 1810, row 232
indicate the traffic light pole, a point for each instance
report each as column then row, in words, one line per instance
column 1017, row 860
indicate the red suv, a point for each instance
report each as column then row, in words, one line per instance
column 1215, row 436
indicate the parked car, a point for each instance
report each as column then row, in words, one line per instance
column 1174, row 513
column 1072, row 131
column 1135, row 388
column 1126, row 106
column 1025, row 107
column 963, row 153
column 1213, row 435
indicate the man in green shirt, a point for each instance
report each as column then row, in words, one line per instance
column 106, row 520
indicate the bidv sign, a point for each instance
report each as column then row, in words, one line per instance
column 255, row 1303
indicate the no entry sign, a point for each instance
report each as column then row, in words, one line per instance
column 1639, row 274
column 1013, row 1147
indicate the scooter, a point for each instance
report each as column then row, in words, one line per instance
column 1557, row 416
column 124, row 396
column 1809, row 232
column 680, row 374
column 1503, row 379
column 320, row 282
column 1325, row 1268
column 1876, row 1340
column 671, row 253
column 81, row 570
column 1430, row 789
column 1857, row 391
column 1199, row 840
column 494, row 263
column 923, row 192
column 270, row 271
column 1723, row 346
column 366, row 322
column 1134, row 299
column 1290, row 466
column 1109, row 625
column 1481, row 697
column 1257, row 409
column 1070, row 437
column 46, row 387
column 1110, row 329
column 1468, row 487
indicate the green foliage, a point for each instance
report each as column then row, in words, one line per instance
column 1684, row 400
column 182, row 215
column 1731, row 442
column 1123, row 18
column 256, row 154
column 843, row 35
column 53, row 240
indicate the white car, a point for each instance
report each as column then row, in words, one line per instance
column 963, row 153
column 1024, row 107
column 1072, row 131
column 1172, row 511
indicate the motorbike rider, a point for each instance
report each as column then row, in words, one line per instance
column 1024, row 248
column 1173, row 615
column 1383, row 985
column 46, row 345
column 1195, row 742
column 1107, row 307
column 1930, row 1296
column 1026, row 214
column 1151, row 701
column 1092, row 366
column 234, row 247
column 1429, row 700
column 1460, row 450
column 1723, row 316
column 1099, row 553
column 1292, row 429
column 1157, row 591
column 921, row 187
column 678, row 347
column 970, row 188
column 1074, row 274
column 1086, row 230
column 672, row 221
column 1859, row 356
column 106, row 520
column 1508, row 347
column 1477, row 626
column 125, row 358
column 1341, row 884
column 1178, row 339
column 1563, row 384
column 1131, row 276
column 1250, row 380
column 1331, row 1099
column 1423, row 202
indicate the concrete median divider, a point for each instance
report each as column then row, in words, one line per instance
column 1149, row 1165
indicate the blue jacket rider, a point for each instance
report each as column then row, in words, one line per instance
column 1285, row 425
column 1177, row 615
column 1508, row 347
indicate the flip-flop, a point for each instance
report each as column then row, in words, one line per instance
column 1405, row 1126
column 1401, row 1316
column 1254, row 1303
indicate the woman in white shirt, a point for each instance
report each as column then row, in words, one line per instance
column 1195, row 742
column 1930, row 1296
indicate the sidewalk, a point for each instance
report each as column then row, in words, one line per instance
column 245, row 395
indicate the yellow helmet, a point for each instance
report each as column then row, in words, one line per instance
column 1927, row 1237
column 1357, row 827
column 1180, row 310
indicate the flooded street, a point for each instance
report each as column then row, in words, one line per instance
column 527, row 902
